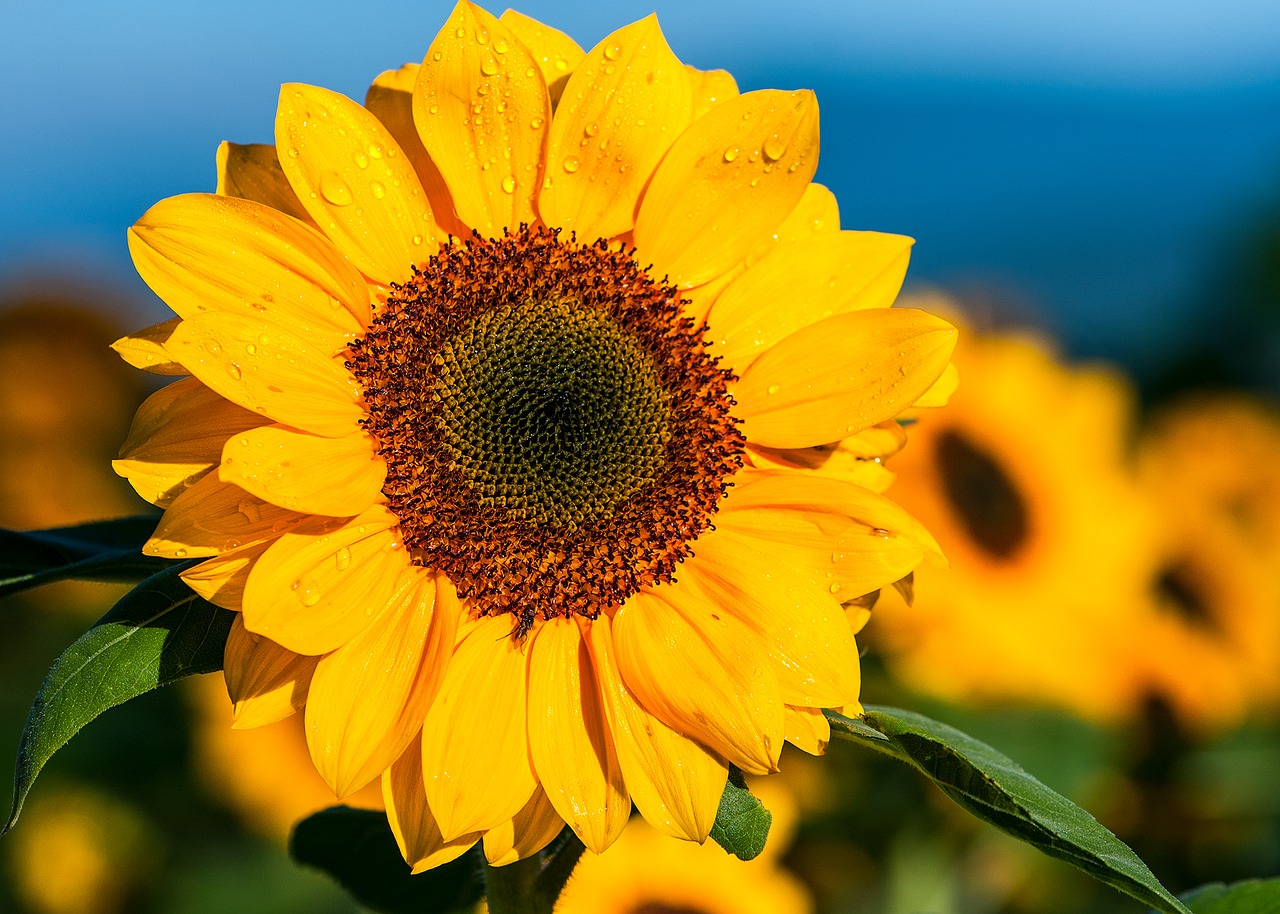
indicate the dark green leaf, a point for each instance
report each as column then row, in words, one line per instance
column 997, row 790
column 356, row 847
column 108, row 551
column 1256, row 896
column 158, row 633
column 742, row 823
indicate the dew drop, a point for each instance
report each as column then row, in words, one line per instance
column 731, row 153
column 180, row 553
column 362, row 160
column 501, row 46
column 434, row 109
column 571, row 164
column 342, row 558
column 378, row 190
column 335, row 189
column 437, row 56
column 613, row 51
column 489, row 66
column 774, row 388
column 834, row 588
column 293, row 152
column 509, row 184
column 591, row 129
column 375, row 151
column 234, row 371
column 775, row 147
column 562, row 64
column 212, row 347
column 417, row 239
column 251, row 511
column 461, row 32
column 251, row 349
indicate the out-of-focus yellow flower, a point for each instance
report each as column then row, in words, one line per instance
column 646, row 874
column 1023, row 480
column 449, row 485
column 78, row 852
column 1211, row 468
column 265, row 774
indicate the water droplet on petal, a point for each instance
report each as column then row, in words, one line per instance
column 180, row 553
column 375, row 151
column 613, row 51
column 774, row 388
column 461, row 32
column 489, row 66
column 342, row 558
column 536, row 123
column 731, row 153
column 362, row 160
column 509, row 184
column 834, row 588
column 437, row 56
column 251, row 349
column 234, row 371
column 591, row 129
column 335, row 189
column 775, row 147
column 378, row 190
column 501, row 46
column 417, row 239
column 571, row 164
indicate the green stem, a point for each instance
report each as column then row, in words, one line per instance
column 532, row 885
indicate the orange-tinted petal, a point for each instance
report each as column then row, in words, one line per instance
column 709, row 88
column 145, row 349
column 212, row 517
column 703, row 676
column 474, row 747
column 176, row 437
column 482, row 111
column 799, row 283
column 325, row 581
column 355, row 181
column 675, row 782
column 726, row 184
column 253, row 172
column 266, row 682
column 569, row 739
column 201, row 252
column 556, row 53
column 533, row 828
column 415, row 828
column 339, row 477
column 841, row 375
column 221, row 579
column 623, row 107
column 807, row 729
column 270, row 371
column 940, row 393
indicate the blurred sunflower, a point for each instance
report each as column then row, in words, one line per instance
column 1211, row 468
column 1023, row 480
column 455, row 481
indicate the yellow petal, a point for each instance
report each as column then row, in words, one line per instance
column 482, row 111
column 369, row 697
column 726, row 184
column 325, row 581
column 710, row 88
column 355, row 181
column 799, row 283
column 841, row 375
column 569, row 739
column 270, row 371
column 807, row 729
column 556, row 53
column 212, row 517
column 533, row 828
column 253, row 172
column 789, row 608
column 339, row 477
column 703, row 676
column 176, row 437
column 221, row 579
column 940, row 393
column 390, row 98
column 266, row 682
column 623, row 107
column 145, row 349
column 816, row 213
column 675, row 782
column 201, row 252
column 415, row 828
column 474, row 747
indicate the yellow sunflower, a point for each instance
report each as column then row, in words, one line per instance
column 501, row 388
column 1023, row 479
column 1211, row 468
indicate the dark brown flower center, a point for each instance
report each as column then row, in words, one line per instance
column 556, row 435
column 988, row 503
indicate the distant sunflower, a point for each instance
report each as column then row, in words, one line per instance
column 521, row 521
column 1023, row 481
column 1211, row 468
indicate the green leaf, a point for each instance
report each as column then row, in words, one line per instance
column 109, row 551
column 356, row 847
column 1255, row 896
column 997, row 790
column 158, row 633
column 742, row 823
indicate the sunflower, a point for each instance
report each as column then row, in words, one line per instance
column 1211, row 468
column 499, row 394
column 1023, row 479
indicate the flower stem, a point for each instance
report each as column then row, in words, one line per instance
column 533, row 885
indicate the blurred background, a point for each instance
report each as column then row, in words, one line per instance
column 1086, row 182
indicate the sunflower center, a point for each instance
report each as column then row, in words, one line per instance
column 1182, row 592
column 988, row 503
column 556, row 434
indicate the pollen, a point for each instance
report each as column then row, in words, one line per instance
column 555, row 432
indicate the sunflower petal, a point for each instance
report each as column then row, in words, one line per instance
column 556, row 53
column 221, row 579
column 807, row 729
column 202, row 252
column 695, row 668
column 623, row 107
column 569, row 739
column 253, row 172
column 415, row 828
column 482, row 110
column 709, row 88
column 213, row 517
column 726, row 184
column 270, row 371
column 841, row 375
column 674, row 781
column 325, row 581
column 266, row 682
column 533, row 828
column 474, row 741
column 145, row 349
column 339, row 477
column 940, row 393
column 355, row 181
